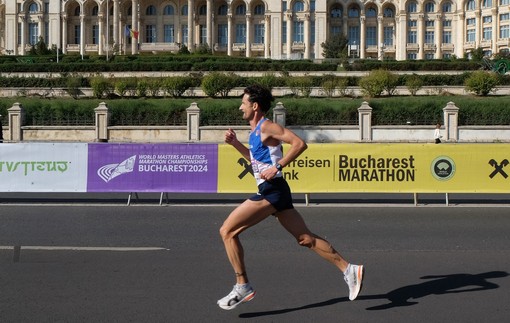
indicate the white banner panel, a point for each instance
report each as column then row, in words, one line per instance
column 43, row 167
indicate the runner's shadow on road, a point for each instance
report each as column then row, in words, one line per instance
column 435, row 285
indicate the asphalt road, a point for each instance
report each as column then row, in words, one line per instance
column 150, row 263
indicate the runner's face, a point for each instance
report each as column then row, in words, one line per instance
column 247, row 107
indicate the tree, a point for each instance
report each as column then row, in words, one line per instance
column 481, row 82
column 335, row 47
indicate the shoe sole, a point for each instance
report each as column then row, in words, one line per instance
column 359, row 277
column 247, row 298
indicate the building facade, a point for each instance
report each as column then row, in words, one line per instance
column 292, row 29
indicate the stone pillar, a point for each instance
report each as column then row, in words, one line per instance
column 279, row 113
column 16, row 121
column 193, row 112
column 102, row 121
column 365, row 122
column 451, row 122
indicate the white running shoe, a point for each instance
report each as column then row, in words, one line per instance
column 236, row 297
column 354, row 278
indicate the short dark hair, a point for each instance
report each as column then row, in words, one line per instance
column 261, row 95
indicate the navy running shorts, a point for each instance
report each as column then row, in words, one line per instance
column 277, row 192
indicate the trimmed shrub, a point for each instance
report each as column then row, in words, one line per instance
column 217, row 83
column 481, row 83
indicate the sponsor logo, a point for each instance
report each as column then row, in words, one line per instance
column 498, row 168
column 110, row 171
column 443, row 168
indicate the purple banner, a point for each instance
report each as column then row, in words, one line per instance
column 152, row 168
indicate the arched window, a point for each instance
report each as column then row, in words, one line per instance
column 353, row 12
column 168, row 10
column 471, row 5
column 241, row 10
column 388, row 13
column 77, row 11
column 412, row 7
column 429, row 7
column 223, row 10
column 259, row 9
column 95, row 11
column 299, row 6
column 337, row 12
column 487, row 4
column 184, row 10
column 202, row 11
column 33, row 8
column 447, row 7
column 151, row 11
column 371, row 12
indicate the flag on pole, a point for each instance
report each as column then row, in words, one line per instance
column 130, row 32
column 134, row 34
column 127, row 31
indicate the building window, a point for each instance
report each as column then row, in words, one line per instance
column 487, row 33
column 447, row 55
column 223, row 10
column 370, row 13
column 447, row 37
column 168, row 11
column 487, row 19
column 184, row 10
column 336, row 12
column 203, row 34
column 470, row 36
column 429, row 23
column 412, row 7
column 388, row 36
column 504, row 2
column 353, row 12
column 471, row 5
column 46, row 7
column 486, row 3
column 46, row 32
column 222, row 34
column 388, row 13
column 33, row 33
column 298, row 32
column 151, row 11
column 169, row 34
column 412, row 55
column 411, row 37
column 312, row 5
column 429, row 55
column 150, row 33
column 354, row 35
column 259, row 34
column 371, row 36
column 77, row 34
column 447, row 23
column 95, row 11
column 284, row 33
column 184, row 31
column 336, row 30
column 429, row 37
column 504, row 16
column 202, row 11
column 299, row 6
column 77, row 11
column 412, row 23
column 447, row 7
column 241, row 33
column 241, row 10
column 95, row 34
column 470, row 21
column 504, row 31
column 33, row 8
column 429, row 7
column 259, row 10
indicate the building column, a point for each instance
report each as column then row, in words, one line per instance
column 102, row 122
column 495, row 31
column 101, row 40
column 289, row 34
column 478, row 28
column 134, row 26
column 191, row 26
column 209, row 25
column 279, row 113
column 438, row 34
column 307, row 36
column 23, row 36
column 362, row 37
column 193, row 117
column 380, row 38
column 401, row 37
column 459, row 27
column 41, row 25
column 267, row 36
column 82, row 34
column 64, row 34
column 229, row 34
column 321, row 30
column 421, row 33
column 248, row 34
column 117, row 32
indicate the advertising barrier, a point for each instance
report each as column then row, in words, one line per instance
column 219, row 168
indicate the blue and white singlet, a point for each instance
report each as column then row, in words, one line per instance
column 262, row 156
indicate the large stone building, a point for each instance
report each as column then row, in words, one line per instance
column 292, row 29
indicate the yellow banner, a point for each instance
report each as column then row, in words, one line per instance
column 375, row 167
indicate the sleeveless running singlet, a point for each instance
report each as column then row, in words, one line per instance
column 262, row 156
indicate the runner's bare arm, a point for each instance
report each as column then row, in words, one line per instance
column 231, row 139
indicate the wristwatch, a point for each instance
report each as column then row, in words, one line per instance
column 278, row 167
